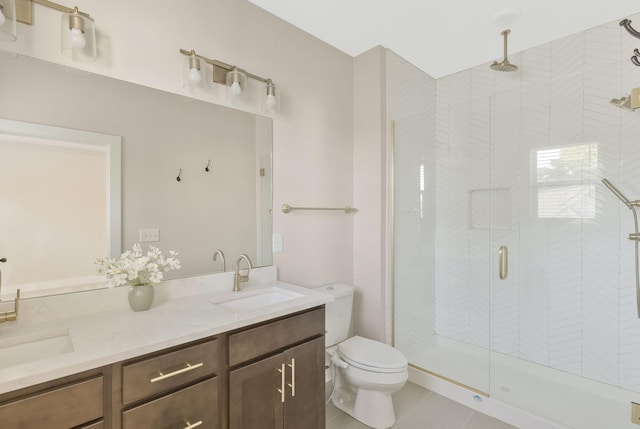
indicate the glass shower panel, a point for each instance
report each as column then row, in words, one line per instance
column 563, row 322
column 443, row 207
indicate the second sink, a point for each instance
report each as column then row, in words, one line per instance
column 21, row 349
column 254, row 299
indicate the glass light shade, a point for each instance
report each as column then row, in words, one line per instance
column 236, row 85
column 270, row 97
column 194, row 72
column 7, row 20
column 78, row 37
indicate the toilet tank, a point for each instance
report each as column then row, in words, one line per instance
column 338, row 312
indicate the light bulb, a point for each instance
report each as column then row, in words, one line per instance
column 270, row 102
column 2, row 18
column 235, row 89
column 76, row 39
column 194, row 75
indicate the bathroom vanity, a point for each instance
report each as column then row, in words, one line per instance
column 217, row 368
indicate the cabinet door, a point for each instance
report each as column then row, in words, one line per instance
column 304, row 404
column 254, row 401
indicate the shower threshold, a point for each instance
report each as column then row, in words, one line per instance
column 568, row 399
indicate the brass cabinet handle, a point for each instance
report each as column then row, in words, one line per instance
column 503, row 256
column 194, row 425
column 282, row 376
column 292, row 385
column 187, row 368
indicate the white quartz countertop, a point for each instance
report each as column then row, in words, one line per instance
column 109, row 336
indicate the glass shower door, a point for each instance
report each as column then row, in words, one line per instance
column 443, row 205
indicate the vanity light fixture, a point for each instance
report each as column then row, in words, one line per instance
column 194, row 68
column 236, row 85
column 233, row 77
column 78, row 34
column 270, row 98
column 7, row 20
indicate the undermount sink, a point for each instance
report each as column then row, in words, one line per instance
column 254, row 299
column 21, row 349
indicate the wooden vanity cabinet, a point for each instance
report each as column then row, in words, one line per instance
column 76, row 401
column 277, row 374
column 269, row 375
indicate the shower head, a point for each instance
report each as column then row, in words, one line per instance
column 504, row 65
column 617, row 193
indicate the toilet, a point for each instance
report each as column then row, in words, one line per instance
column 366, row 372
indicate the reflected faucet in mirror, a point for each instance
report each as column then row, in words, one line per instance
column 237, row 278
column 2, row 260
column 11, row 316
column 221, row 254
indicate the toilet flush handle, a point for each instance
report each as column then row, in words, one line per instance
column 339, row 362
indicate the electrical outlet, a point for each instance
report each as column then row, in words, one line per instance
column 635, row 413
column 149, row 235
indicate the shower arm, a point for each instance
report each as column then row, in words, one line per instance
column 626, row 23
column 505, row 35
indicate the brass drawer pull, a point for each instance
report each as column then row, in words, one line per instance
column 282, row 381
column 191, row 426
column 292, row 385
column 187, row 368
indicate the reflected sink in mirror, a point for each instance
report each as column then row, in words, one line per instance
column 21, row 349
column 254, row 299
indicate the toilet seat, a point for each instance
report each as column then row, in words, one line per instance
column 371, row 355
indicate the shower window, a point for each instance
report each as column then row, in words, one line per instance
column 564, row 178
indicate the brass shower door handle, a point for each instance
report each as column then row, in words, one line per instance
column 503, row 266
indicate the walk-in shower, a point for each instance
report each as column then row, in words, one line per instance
column 484, row 160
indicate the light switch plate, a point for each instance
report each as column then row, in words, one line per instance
column 277, row 242
column 149, row 235
column 635, row 413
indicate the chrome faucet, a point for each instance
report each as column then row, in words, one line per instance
column 224, row 264
column 237, row 278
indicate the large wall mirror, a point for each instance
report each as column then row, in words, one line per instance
column 223, row 157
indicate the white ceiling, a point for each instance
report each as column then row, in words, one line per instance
column 444, row 37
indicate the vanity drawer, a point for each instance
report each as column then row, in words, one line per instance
column 168, row 371
column 184, row 408
column 264, row 339
column 63, row 407
column 99, row 425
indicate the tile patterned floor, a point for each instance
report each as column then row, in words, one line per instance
column 418, row 408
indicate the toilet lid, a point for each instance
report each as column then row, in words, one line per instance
column 371, row 355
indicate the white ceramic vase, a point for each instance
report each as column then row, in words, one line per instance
column 141, row 297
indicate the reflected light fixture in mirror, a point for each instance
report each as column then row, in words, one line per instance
column 77, row 32
column 233, row 77
column 236, row 85
column 7, row 20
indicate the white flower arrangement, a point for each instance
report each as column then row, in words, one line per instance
column 135, row 268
